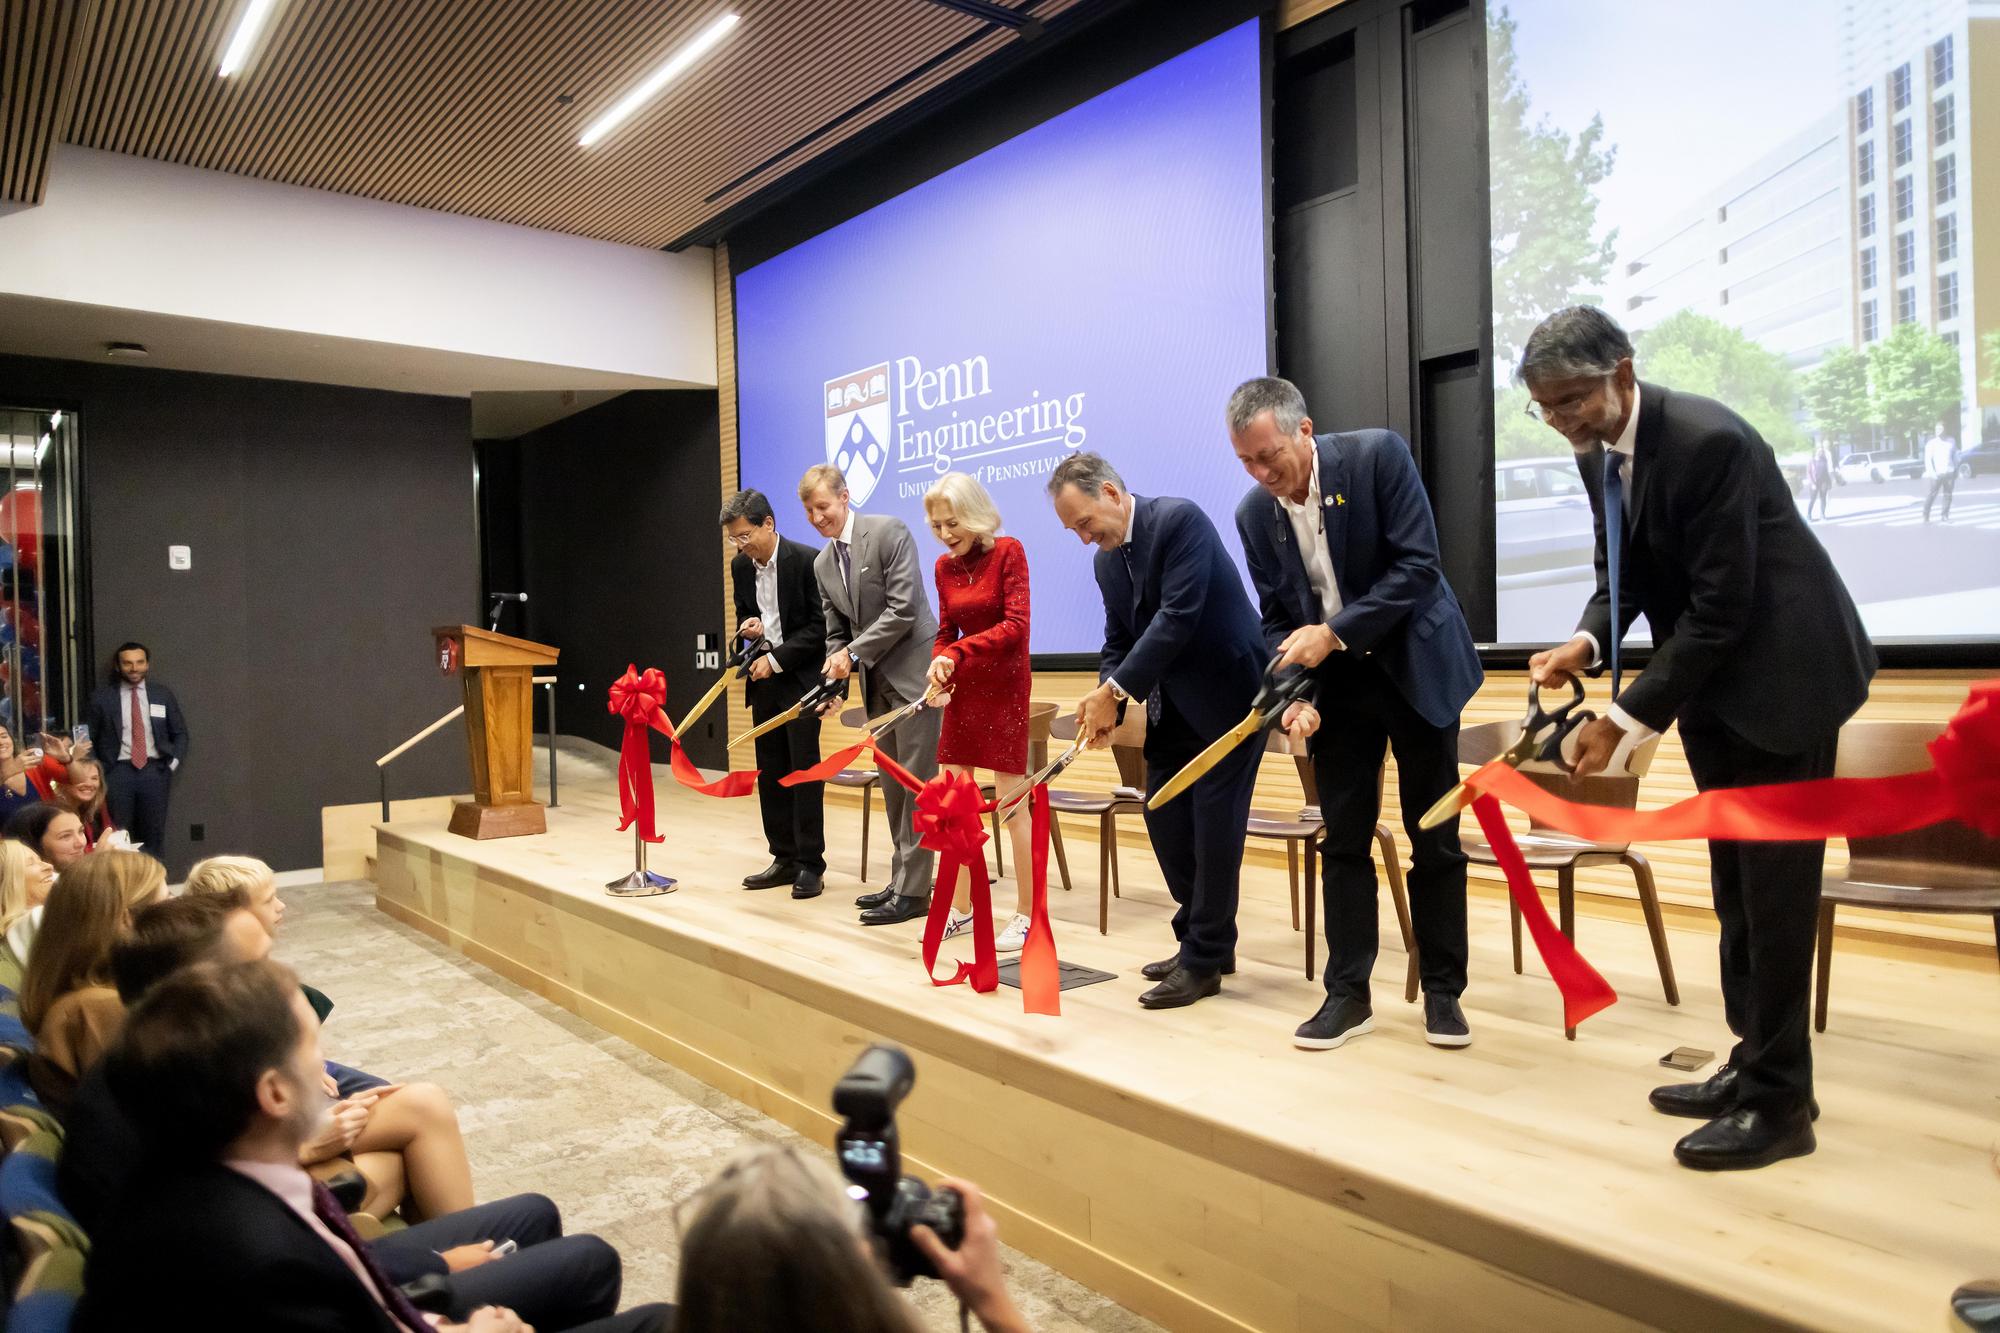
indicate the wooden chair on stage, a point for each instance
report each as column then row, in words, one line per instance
column 1040, row 717
column 863, row 780
column 1546, row 849
column 1944, row 867
column 1303, row 830
column 1127, row 741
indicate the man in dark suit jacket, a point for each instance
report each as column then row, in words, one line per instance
column 1759, row 655
column 219, row 1067
column 777, row 598
column 140, row 737
column 1343, row 552
column 1181, row 638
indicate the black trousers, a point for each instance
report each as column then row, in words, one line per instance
column 1198, row 837
column 553, row 1281
column 1767, row 899
column 794, row 817
column 1362, row 713
column 137, row 801
column 1940, row 485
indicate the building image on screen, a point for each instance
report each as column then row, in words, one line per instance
column 1096, row 282
column 1793, row 237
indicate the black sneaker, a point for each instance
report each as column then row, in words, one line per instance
column 1444, row 1021
column 1336, row 1022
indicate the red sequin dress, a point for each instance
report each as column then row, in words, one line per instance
column 982, row 607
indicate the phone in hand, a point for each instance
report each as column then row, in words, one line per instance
column 80, row 733
column 505, row 1248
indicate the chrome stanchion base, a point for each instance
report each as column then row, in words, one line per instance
column 1977, row 1305
column 641, row 883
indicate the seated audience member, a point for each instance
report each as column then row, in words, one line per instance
column 82, row 794
column 219, row 1068
column 256, row 882
column 50, row 832
column 774, row 1242
column 24, row 886
column 67, row 1001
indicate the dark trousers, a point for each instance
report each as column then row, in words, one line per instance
column 553, row 1281
column 794, row 817
column 1362, row 713
column 137, row 801
column 1767, row 899
column 1198, row 837
column 1941, row 485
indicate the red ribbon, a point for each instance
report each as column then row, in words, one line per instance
column 949, row 817
column 641, row 700
column 1584, row 990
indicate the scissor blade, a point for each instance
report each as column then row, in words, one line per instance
column 888, row 721
column 762, row 727
column 701, row 704
column 1198, row 767
column 1453, row 801
column 1005, row 808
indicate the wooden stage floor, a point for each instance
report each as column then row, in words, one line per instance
column 1195, row 1166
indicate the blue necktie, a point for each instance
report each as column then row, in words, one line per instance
column 1614, row 542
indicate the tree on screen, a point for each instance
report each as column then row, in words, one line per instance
column 1989, row 356
column 1543, row 210
column 1836, row 396
column 1916, row 381
column 1696, row 354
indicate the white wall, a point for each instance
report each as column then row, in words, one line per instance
column 134, row 234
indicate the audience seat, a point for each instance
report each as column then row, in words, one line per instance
column 48, row 1250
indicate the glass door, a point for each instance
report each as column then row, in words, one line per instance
column 39, row 581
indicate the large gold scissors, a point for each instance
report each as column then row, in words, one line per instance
column 1543, row 732
column 740, row 659
column 1274, row 696
column 1004, row 808
column 812, row 698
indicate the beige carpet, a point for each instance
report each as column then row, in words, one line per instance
column 552, row 1105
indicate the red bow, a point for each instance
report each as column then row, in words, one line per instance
column 641, row 698
column 947, row 816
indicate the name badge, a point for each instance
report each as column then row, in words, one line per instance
column 157, row 710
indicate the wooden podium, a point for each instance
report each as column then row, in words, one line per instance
column 498, row 672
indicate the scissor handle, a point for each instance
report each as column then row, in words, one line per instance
column 1538, row 715
column 1275, row 694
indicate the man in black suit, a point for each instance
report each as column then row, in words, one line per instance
column 140, row 737
column 1343, row 551
column 219, row 1068
column 1179, row 635
column 777, row 599
column 1759, row 656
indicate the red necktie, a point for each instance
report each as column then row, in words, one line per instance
column 138, row 732
column 399, row 1305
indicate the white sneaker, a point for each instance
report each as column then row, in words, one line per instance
column 957, row 923
column 1012, row 938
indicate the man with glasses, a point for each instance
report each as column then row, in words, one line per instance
column 1758, row 655
column 777, row 601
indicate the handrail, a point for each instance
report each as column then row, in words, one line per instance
column 382, row 764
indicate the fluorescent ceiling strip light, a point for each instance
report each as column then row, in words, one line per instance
column 245, row 36
column 651, row 85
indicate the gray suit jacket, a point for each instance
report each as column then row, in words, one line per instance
column 887, row 623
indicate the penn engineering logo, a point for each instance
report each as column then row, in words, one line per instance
column 857, row 428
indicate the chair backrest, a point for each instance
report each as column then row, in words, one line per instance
column 1946, row 854
column 1128, row 742
column 855, row 717
column 1040, row 716
column 1279, row 741
column 1487, row 741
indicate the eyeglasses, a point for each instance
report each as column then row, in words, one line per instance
column 1566, row 408
column 738, row 539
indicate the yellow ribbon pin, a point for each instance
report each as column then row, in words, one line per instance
column 1340, row 499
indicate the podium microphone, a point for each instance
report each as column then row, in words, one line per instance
column 500, row 599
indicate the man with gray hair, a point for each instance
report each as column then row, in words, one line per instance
column 1758, row 655
column 879, row 624
column 1343, row 551
column 1180, row 637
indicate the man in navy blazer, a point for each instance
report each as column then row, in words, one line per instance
column 1343, row 551
column 1180, row 636
column 140, row 737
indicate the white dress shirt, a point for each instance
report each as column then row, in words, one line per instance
column 767, row 599
column 1309, row 527
column 293, row 1187
column 1938, row 460
column 1636, row 731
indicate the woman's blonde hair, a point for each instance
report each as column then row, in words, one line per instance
column 774, row 1242
column 16, row 870
column 222, row 874
column 970, row 505
column 86, row 912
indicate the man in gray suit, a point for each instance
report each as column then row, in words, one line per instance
column 879, row 623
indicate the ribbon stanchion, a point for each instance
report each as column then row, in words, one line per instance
column 640, row 699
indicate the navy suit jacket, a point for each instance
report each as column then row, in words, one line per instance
column 1395, row 604
column 1186, row 628
column 169, row 738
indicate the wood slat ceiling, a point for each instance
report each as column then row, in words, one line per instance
column 452, row 104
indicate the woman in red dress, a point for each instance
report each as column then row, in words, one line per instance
column 982, row 656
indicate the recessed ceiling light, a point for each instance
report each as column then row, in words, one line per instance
column 245, row 36
column 649, row 87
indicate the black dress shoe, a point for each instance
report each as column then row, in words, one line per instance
column 1746, row 1138
column 1713, row 1097
column 772, row 875
column 1977, row 1305
column 1337, row 1022
column 1181, row 988
column 1163, row 969
column 807, row 885
column 879, row 898
column 895, row 910
column 1444, row 1021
